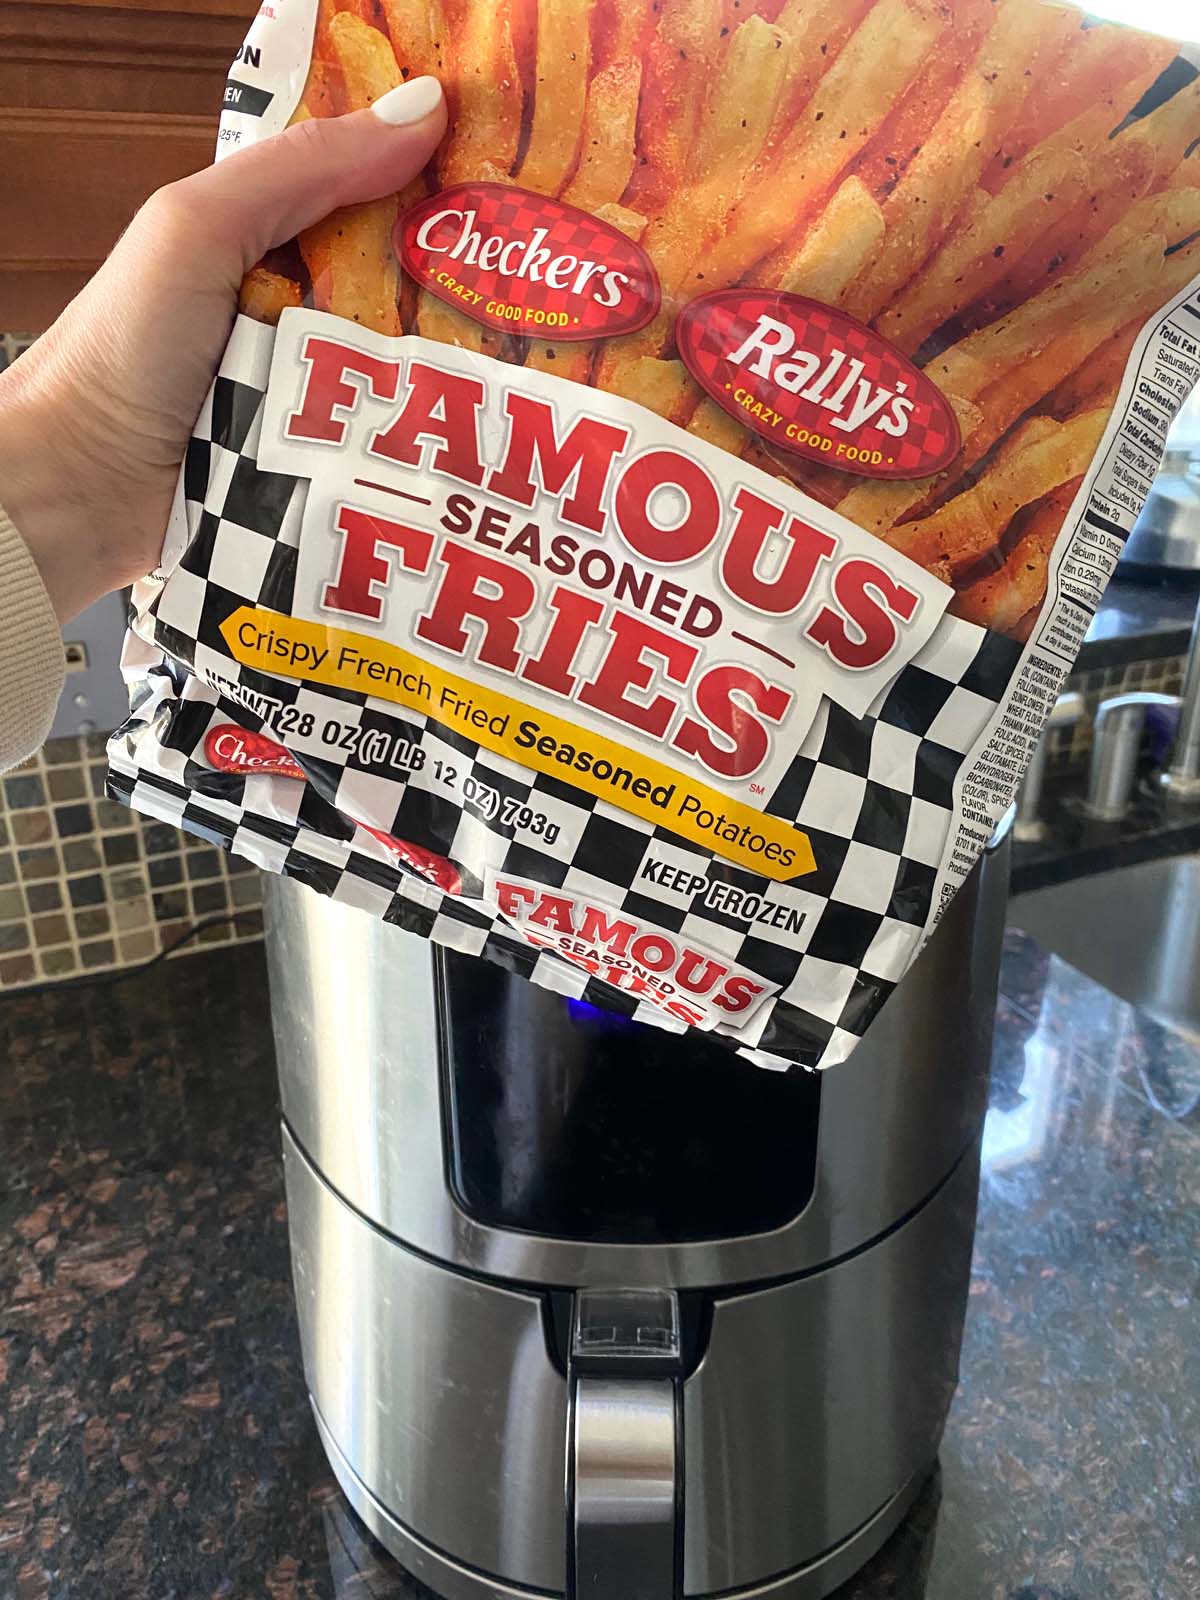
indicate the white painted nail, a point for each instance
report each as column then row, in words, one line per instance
column 409, row 102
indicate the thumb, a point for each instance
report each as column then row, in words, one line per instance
column 267, row 193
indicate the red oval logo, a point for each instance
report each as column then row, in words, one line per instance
column 233, row 749
column 522, row 263
column 815, row 381
column 440, row 870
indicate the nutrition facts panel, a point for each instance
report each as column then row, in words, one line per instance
column 1164, row 366
column 1156, row 387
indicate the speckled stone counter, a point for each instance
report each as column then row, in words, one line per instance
column 155, row 1442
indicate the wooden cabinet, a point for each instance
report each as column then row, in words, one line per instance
column 99, row 104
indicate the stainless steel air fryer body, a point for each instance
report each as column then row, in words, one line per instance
column 591, row 1310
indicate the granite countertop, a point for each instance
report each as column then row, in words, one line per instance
column 156, row 1442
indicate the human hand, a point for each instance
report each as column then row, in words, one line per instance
column 95, row 417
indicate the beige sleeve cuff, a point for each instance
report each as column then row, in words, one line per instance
column 32, row 668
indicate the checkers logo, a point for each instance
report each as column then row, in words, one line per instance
column 233, row 749
column 522, row 263
column 812, row 380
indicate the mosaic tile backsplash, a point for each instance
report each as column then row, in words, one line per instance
column 1072, row 746
column 88, row 886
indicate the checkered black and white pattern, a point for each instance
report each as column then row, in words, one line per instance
column 875, row 795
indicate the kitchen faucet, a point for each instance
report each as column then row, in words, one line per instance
column 1117, row 738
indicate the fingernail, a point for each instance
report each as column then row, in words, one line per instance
column 408, row 102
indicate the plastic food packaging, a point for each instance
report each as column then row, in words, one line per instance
column 645, row 552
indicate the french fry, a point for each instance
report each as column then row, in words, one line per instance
column 845, row 110
column 835, row 249
column 486, row 94
column 623, row 29
column 608, row 139
column 369, row 68
column 1089, row 60
column 1096, row 379
column 608, row 142
column 941, row 176
column 662, row 386
column 419, row 35
column 1134, row 273
column 733, row 129
column 1001, row 371
column 418, row 31
column 437, row 320
column 349, row 256
column 485, row 98
column 709, row 422
column 878, row 506
column 817, row 30
column 352, row 265
column 1158, row 142
column 326, row 51
column 1001, row 599
column 317, row 100
column 1171, row 132
column 1076, row 167
column 560, row 90
column 364, row 10
column 1123, row 271
column 680, row 65
column 1041, row 455
column 631, row 222
column 904, row 130
column 561, row 360
column 731, row 136
column 265, row 295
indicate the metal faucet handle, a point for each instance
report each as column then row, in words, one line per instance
column 1067, row 709
column 1116, row 741
column 1181, row 780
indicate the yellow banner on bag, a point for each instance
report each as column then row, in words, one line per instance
column 287, row 647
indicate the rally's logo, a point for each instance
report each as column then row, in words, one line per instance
column 818, row 382
column 520, row 262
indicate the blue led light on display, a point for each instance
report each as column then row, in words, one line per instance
column 584, row 1011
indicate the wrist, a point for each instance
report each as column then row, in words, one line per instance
column 44, row 489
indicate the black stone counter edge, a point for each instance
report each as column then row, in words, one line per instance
column 1077, row 847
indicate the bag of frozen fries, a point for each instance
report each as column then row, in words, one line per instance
column 644, row 553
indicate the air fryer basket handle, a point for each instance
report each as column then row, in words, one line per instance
column 623, row 1463
column 623, row 1468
